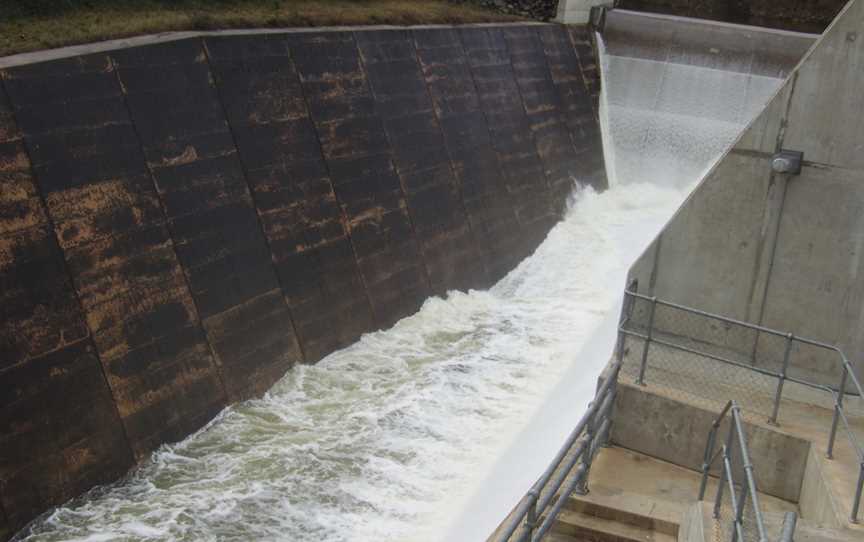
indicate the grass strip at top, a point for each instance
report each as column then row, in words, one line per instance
column 29, row 25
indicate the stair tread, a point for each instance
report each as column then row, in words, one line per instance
column 573, row 523
column 644, row 487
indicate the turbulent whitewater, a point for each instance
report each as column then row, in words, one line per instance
column 384, row 439
column 396, row 436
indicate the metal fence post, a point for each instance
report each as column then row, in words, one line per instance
column 706, row 465
column 781, row 380
column 838, row 404
column 718, row 499
column 790, row 520
column 856, row 504
column 531, row 519
column 588, row 455
column 641, row 379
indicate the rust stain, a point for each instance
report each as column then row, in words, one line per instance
column 375, row 214
column 89, row 199
column 15, row 162
column 189, row 155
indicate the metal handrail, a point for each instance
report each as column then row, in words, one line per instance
column 837, row 394
column 748, row 490
column 536, row 512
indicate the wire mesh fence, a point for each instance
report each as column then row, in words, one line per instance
column 706, row 359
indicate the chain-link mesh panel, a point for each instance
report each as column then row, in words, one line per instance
column 725, row 522
column 681, row 359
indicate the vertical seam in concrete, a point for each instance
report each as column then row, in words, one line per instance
column 781, row 135
column 456, row 183
column 169, row 228
column 251, row 193
column 558, row 94
column 342, row 213
column 395, row 167
column 655, row 265
column 525, row 109
column 92, row 344
column 592, row 38
column 482, row 109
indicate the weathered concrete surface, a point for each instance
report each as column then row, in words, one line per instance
column 702, row 527
column 802, row 15
column 578, row 11
column 633, row 489
column 60, row 431
column 776, row 250
column 674, row 431
column 182, row 218
column 693, row 42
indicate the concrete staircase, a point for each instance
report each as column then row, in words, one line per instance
column 636, row 498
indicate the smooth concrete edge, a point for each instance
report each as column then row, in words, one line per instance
column 710, row 22
column 674, row 431
column 578, row 11
column 817, row 502
column 693, row 524
column 46, row 55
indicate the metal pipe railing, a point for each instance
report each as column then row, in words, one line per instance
column 735, row 438
column 536, row 511
column 848, row 377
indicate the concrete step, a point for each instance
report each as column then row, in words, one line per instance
column 644, row 489
column 636, row 516
column 588, row 528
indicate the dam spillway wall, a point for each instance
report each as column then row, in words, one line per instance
column 801, row 15
column 782, row 251
column 182, row 220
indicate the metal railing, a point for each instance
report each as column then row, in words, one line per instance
column 537, row 511
column 741, row 497
column 675, row 340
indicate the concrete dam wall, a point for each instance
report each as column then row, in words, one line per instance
column 778, row 250
column 182, row 221
column 801, row 15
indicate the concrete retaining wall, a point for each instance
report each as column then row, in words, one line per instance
column 802, row 15
column 182, row 220
column 782, row 251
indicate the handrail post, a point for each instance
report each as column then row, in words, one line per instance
column 625, row 317
column 706, row 466
column 531, row 519
column 856, row 504
column 718, row 499
column 588, row 456
column 790, row 520
column 838, row 404
column 781, row 380
column 650, row 335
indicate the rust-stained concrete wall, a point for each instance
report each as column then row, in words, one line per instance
column 182, row 220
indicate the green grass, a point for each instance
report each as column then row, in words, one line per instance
column 28, row 25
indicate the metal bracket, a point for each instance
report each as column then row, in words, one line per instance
column 787, row 162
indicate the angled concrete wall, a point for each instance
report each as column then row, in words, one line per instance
column 183, row 219
column 801, row 15
column 777, row 250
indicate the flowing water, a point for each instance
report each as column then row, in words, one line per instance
column 393, row 437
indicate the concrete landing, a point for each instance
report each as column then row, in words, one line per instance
column 634, row 497
column 673, row 420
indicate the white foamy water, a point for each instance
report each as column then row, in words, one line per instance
column 667, row 123
column 433, row 429
column 387, row 439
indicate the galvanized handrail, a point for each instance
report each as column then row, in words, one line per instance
column 837, row 394
column 748, row 490
column 536, row 511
